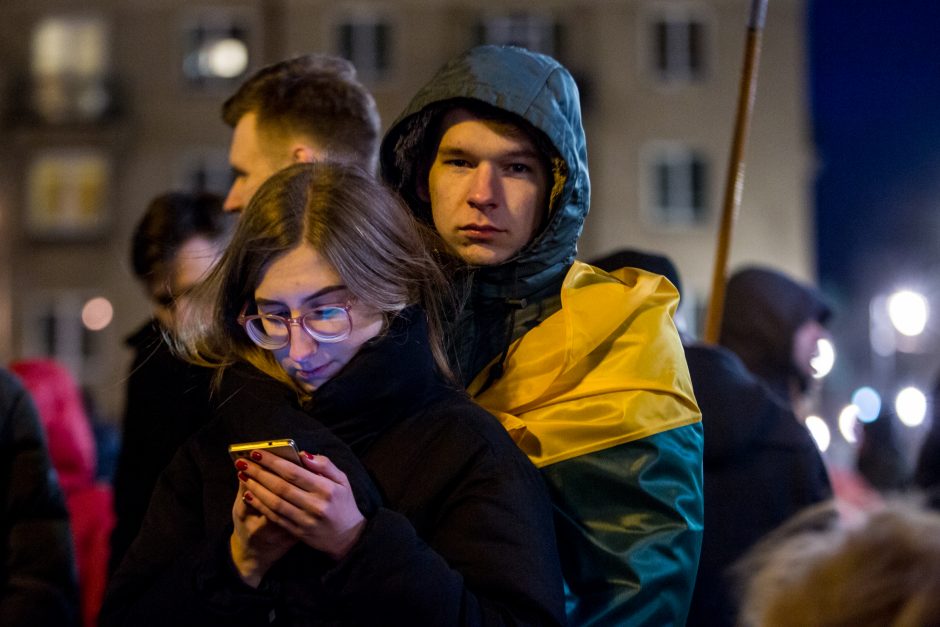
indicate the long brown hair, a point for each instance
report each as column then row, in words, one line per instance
column 384, row 256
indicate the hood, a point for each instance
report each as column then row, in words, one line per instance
column 763, row 310
column 536, row 88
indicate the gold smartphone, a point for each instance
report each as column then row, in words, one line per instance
column 285, row 448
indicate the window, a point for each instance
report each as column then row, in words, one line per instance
column 536, row 31
column 366, row 41
column 678, row 184
column 678, row 44
column 69, row 68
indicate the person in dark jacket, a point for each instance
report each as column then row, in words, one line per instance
column 761, row 465
column 71, row 444
column 774, row 324
column 38, row 585
column 175, row 243
column 409, row 504
column 584, row 369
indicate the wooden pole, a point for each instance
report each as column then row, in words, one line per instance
column 734, row 183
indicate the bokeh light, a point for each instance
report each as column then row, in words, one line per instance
column 911, row 406
column 848, row 419
column 820, row 432
column 908, row 312
column 225, row 58
column 868, row 402
column 97, row 313
column 824, row 360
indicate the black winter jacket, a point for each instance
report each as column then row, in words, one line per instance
column 167, row 401
column 459, row 526
column 38, row 585
column 761, row 467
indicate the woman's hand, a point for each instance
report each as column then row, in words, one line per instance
column 314, row 503
column 256, row 543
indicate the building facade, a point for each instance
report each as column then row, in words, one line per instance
column 111, row 103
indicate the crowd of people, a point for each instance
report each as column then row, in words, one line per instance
column 447, row 417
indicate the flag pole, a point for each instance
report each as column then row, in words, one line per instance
column 734, row 183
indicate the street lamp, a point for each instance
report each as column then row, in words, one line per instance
column 895, row 323
column 908, row 312
column 911, row 406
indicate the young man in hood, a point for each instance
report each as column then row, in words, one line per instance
column 300, row 110
column 584, row 369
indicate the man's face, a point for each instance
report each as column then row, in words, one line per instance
column 487, row 187
column 254, row 157
column 169, row 291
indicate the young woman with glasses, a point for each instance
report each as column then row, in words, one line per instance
column 410, row 505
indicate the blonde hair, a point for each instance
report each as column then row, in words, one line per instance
column 822, row 570
column 381, row 252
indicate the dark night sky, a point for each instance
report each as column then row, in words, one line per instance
column 875, row 89
column 875, row 85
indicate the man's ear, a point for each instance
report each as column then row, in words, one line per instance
column 302, row 153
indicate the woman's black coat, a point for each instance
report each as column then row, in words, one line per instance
column 459, row 527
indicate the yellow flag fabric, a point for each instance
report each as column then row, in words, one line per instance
column 605, row 369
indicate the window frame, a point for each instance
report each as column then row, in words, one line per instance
column 372, row 72
column 681, row 65
column 674, row 155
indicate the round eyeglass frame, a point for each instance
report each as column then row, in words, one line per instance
column 245, row 321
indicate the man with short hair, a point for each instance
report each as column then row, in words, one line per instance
column 583, row 368
column 309, row 108
column 174, row 246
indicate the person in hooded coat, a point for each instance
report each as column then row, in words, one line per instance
column 773, row 324
column 761, row 468
column 583, row 368
column 760, row 465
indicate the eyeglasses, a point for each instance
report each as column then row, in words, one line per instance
column 326, row 324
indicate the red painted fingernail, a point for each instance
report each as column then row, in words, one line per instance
column 256, row 455
column 309, row 456
column 241, row 465
column 248, row 497
column 242, row 476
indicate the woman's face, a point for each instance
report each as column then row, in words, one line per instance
column 294, row 284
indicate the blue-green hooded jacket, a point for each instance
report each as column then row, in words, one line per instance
column 628, row 518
